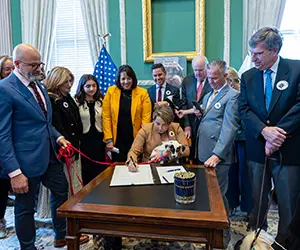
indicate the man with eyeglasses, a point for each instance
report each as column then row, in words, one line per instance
column 194, row 88
column 27, row 144
column 269, row 105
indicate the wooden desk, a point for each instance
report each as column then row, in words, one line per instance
column 140, row 221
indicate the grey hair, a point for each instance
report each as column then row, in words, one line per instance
column 198, row 58
column 270, row 37
column 218, row 63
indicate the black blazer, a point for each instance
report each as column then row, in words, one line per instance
column 189, row 94
column 284, row 111
column 66, row 118
column 170, row 91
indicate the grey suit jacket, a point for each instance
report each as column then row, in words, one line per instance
column 218, row 126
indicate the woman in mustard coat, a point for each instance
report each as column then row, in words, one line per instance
column 125, row 108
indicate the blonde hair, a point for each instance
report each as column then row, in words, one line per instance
column 233, row 75
column 3, row 59
column 57, row 77
column 165, row 112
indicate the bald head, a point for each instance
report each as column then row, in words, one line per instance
column 27, row 62
column 199, row 66
column 25, row 51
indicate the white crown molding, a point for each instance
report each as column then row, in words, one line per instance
column 123, row 31
column 226, row 54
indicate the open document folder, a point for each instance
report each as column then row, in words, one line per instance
column 122, row 176
column 166, row 174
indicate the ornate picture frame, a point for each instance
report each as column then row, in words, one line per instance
column 199, row 33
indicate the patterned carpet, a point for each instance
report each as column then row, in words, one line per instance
column 44, row 239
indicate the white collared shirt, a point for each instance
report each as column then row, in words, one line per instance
column 212, row 96
column 163, row 89
column 274, row 69
column 26, row 83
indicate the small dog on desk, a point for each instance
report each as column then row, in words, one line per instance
column 173, row 148
column 263, row 241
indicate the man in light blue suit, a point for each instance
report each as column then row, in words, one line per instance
column 27, row 144
column 218, row 127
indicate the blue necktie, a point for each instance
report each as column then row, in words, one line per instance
column 269, row 89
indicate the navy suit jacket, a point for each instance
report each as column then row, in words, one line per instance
column 189, row 94
column 26, row 135
column 169, row 91
column 284, row 111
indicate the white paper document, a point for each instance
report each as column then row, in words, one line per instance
column 166, row 174
column 122, row 176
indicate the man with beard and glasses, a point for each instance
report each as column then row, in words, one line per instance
column 27, row 145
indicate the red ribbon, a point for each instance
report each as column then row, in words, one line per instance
column 68, row 152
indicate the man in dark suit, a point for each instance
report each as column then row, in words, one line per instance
column 162, row 90
column 27, row 143
column 270, row 108
column 194, row 88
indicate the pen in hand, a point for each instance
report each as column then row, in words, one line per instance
column 135, row 166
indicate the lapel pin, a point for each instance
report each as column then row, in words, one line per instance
column 65, row 104
column 168, row 92
column 282, row 85
column 217, row 105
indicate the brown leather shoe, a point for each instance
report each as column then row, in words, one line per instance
column 61, row 243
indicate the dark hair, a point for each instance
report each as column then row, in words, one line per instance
column 158, row 66
column 80, row 94
column 270, row 37
column 130, row 73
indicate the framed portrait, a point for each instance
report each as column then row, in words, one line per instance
column 173, row 28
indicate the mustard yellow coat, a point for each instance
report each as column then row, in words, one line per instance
column 140, row 111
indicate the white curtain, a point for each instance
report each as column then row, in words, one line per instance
column 257, row 14
column 5, row 28
column 95, row 18
column 38, row 25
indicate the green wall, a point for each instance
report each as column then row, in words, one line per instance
column 16, row 22
column 214, row 30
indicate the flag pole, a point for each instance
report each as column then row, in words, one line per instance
column 103, row 38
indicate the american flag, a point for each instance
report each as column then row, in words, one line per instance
column 105, row 70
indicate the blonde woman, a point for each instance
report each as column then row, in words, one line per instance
column 233, row 79
column 66, row 117
column 6, row 66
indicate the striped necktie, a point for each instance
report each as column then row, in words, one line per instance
column 38, row 97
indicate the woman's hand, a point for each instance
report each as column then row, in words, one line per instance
column 133, row 166
column 109, row 146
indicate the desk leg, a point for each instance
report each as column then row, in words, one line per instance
column 73, row 235
column 209, row 244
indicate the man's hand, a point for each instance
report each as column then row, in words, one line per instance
column 197, row 112
column 19, row 184
column 63, row 142
column 187, row 132
column 274, row 135
column 270, row 149
column 212, row 161
column 179, row 113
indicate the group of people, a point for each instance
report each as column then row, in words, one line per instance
column 243, row 128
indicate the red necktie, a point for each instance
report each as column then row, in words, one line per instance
column 199, row 90
column 159, row 94
column 38, row 97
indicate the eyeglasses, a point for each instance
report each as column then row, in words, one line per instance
column 256, row 54
column 34, row 66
